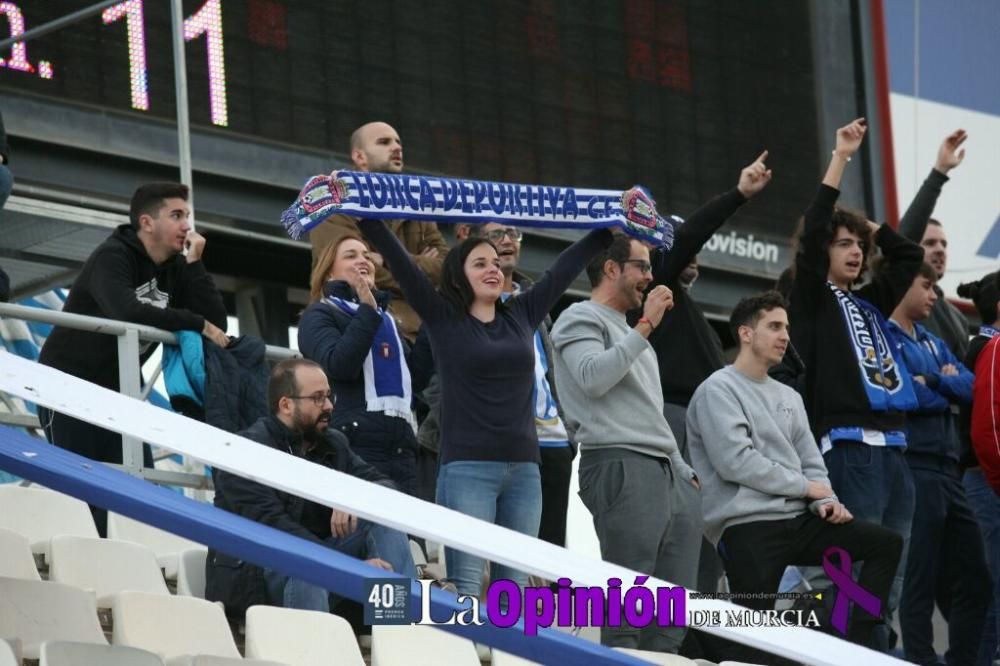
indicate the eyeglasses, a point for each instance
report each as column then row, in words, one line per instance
column 319, row 398
column 496, row 235
column 643, row 265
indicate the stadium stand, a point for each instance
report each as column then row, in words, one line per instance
column 67, row 653
column 191, row 573
column 105, row 566
column 16, row 560
column 41, row 514
column 168, row 547
column 419, row 646
column 39, row 611
column 299, row 637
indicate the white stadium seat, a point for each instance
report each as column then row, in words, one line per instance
column 171, row 626
column 16, row 560
column 300, row 638
column 167, row 546
column 191, row 573
column 7, row 655
column 105, row 566
column 41, row 514
column 208, row 660
column 415, row 645
column 39, row 611
column 65, row 653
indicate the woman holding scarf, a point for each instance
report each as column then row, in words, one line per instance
column 349, row 332
column 483, row 348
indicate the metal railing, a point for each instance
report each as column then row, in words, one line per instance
column 129, row 376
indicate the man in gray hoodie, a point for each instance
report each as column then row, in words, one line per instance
column 642, row 495
column 766, row 495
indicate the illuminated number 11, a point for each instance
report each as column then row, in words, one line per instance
column 208, row 21
column 132, row 9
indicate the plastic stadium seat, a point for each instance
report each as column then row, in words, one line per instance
column 105, row 566
column 507, row 659
column 39, row 611
column 167, row 546
column 300, row 638
column 208, row 660
column 42, row 514
column 7, row 655
column 415, row 645
column 662, row 658
column 16, row 560
column 171, row 626
column 191, row 573
column 65, row 653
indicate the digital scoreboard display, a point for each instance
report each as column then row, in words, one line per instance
column 675, row 95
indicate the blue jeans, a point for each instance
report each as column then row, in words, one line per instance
column 876, row 485
column 505, row 494
column 366, row 542
column 986, row 507
column 6, row 184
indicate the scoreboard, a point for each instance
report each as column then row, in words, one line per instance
column 677, row 95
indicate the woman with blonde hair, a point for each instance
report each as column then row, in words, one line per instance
column 350, row 333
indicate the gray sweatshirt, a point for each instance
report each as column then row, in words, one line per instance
column 752, row 448
column 609, row 384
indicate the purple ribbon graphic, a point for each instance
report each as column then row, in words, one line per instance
column 849, row 590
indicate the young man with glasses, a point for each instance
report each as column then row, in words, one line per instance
column 643, row 497
column 299, row 397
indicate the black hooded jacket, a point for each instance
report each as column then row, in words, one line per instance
column 120, row 281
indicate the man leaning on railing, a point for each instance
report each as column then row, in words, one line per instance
column 139, row 274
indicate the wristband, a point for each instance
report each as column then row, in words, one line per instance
column 846, row 159
column 645, row 320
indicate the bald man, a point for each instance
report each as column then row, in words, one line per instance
column 376, row 148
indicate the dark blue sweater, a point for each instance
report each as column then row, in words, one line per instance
column 486, row 369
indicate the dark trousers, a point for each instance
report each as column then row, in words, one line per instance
column 556, row 470
column 755, row 556
column 91, row 442
column 648, row 520
column 946, row 553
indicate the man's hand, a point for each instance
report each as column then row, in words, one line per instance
column 343, row 524
column 379, row 563
column 695, row 482
column 949, row 370
column 849, row 138
column 949, row 156
column 658, row 301
column 215, row 334
column 430, row 253
column 835, row 512
column 195, row 246
column 816, row 490
column 755, row 177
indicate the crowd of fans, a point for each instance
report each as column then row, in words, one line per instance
column 850, row 419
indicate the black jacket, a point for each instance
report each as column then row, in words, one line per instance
column 238, row 584
column 834, row 395
column 687, row 348
column 235, row 383
column 120, row 281
column 4, row 147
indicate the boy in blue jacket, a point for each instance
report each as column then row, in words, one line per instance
column 946, row 548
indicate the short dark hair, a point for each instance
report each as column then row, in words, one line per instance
column 618, row 252
column 984, row 292
column 455, row 287
column 927, row 271
column 749, row 310
column 148, row 199
column 934, row 223
column 282, row 382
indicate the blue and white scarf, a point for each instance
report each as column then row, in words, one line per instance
column 988, row 331
column 884, row 376
column 435, row 199
column 387, row 377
